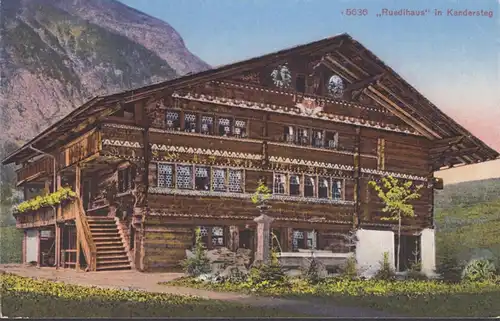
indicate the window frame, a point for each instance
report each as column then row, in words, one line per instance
column 285, row 175
column 180, row 119
column 173, row 181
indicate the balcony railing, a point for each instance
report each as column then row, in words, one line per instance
column 80, row 149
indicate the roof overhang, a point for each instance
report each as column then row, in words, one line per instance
column 354, row 62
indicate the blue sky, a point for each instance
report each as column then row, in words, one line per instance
column 453, row 61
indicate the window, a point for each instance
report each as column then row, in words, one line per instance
column 309, row 186
column 240, row 128
column 294, row 185
column 303, row 136
column 126, row 178
column 332, row 139
column 304, row 240
column 184, row 177
column 323, row 184
column 190, row 122
column 279, row 184
column 289, row 134
column 318, row 138
column 202, row 178
column 219, row 180
column 225, row 126
column 235, row 181
column 337, row 189
column 212, row 236
column 173, row 120
column 165, row 175
column 217, row 236
column 207, row 124
column 300, row 83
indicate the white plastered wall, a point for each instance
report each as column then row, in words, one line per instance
column 370, row 250
column 428, row 251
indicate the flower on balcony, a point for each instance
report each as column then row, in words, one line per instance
column 51, row 199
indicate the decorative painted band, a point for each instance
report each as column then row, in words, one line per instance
column 171, row 191
column 285, row 93
column 121, row 126
column 203, row 151
column 275, row 159
column 245, row 218
column 294, row 111
column 297, row 161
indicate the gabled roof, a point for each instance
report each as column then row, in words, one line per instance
column 420, row 112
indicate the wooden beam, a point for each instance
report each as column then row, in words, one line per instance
column 364, row 83
column 406, row 119
column 447, row 141
column 457, row 153
column 395, row 109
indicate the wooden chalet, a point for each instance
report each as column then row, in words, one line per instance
column 315, row 122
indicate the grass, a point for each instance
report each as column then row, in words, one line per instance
column 26, row 297
column 10, row 244
column 408, row 298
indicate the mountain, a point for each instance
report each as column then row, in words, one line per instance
column 57, row 54
column 468, row 220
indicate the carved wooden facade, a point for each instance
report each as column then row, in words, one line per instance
column 316, row 123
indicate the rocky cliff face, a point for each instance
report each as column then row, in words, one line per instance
column 56, row 54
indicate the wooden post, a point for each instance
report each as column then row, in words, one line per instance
column 78, row 174
column 46, row 188
column 77, row 266
column 57, row 227
column 78, row 178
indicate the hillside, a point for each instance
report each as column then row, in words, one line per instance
column 56, row 54
column 468, row 219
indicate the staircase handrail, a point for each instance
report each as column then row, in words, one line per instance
column 86, row 240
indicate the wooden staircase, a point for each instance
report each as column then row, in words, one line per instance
column 111, row 253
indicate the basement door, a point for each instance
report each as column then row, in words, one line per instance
column 32, row 246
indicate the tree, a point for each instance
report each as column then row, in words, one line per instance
column 261, row 195
column 396, row 195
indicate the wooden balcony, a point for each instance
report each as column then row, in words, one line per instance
column 81, row 148
column 46, row 215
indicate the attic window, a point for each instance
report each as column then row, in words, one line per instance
column 300, row 83
column 128, row 111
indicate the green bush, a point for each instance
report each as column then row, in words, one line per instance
column 51, row 199
column 350, row 270
column 312, row 272
column 199, row 264
column 386, row 272
column 264, row 276
column 415, row 272
column 479, row 271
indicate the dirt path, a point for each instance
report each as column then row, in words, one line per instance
column 133, row 280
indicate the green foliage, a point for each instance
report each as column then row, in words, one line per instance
column 350, row 270
column 261, row 194
column 386, row 272
column 25, row 297
column 415, row 272
column 312, row 272
column 265, row 276
column 52, row 199
column 430, row 298
column 467, row 219
column 396, row 196
column 11, row 240
column 479, row 271
column 198, row 264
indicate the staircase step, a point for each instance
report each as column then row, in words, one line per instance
column 107, row 238
column 118, row 256
column 108, row 247
column 109, row 243
column 111, row 252
column 112, row 260
column 114, row 267
column 108, row 233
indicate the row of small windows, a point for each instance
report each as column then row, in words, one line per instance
column 310, row 137
column 308, row 186
column 202, row 178
column 206, row 124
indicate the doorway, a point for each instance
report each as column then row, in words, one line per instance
column 409, row 252
column 247, row 239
